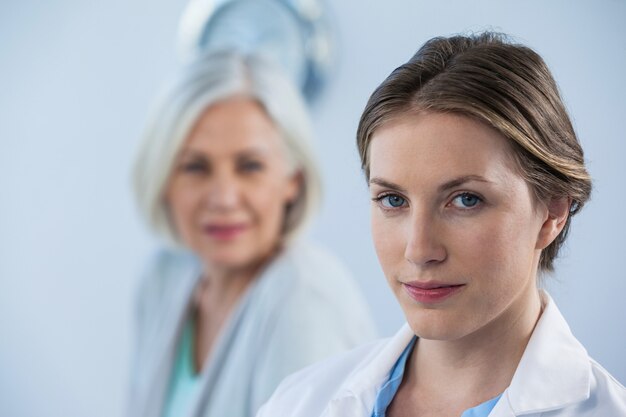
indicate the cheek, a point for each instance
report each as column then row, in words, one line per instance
column 389, row 241
column 180, row 209
column 177, row 204
column 269, row 201
column 502, row 247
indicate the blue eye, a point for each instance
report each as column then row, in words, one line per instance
column 466, row 200
column 392, row 201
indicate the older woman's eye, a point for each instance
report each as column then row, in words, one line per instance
column 466, row 201
column 250, row 166
column 194, row 167
column 391, row 201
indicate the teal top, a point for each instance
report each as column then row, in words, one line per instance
column 390, row 388
column 184, row 383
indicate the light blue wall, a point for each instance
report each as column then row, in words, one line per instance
column 76, row 79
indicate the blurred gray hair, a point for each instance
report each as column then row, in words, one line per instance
column 212, row 78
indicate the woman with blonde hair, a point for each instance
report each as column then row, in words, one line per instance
column 474, row 173
column 235, row 301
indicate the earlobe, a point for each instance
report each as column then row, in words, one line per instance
column 557, row 214
column 293, row 187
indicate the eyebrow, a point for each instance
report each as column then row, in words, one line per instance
column 385, row 184
column 252, row 152
column 443, row 187
column 460, row 181
column 246, row 153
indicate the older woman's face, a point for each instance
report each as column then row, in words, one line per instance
column 456, row 229
column 230, row 185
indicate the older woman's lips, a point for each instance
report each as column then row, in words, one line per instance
column 431, row 292
column 224, row 232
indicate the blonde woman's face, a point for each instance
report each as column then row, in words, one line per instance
column 230, row 186
column 456, row 229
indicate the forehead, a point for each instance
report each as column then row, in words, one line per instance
column 233, row 124
column 429, row 147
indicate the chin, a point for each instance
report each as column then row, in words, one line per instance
column 433, row 324
column 230, row 262
column 234, row 258
column 229, row 258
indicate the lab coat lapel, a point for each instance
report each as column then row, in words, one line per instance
column 348, row 406
column 554, row 370
column 503, row 409
column 357, row 396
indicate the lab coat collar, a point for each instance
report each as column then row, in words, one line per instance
column 554, row 372
column 358, row 393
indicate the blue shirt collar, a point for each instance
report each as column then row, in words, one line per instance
column 389, row 389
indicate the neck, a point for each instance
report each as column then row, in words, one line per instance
column 222, row 286
column 216, row 295
column 481, row 365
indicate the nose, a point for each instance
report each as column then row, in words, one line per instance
column 222, row 193
column 424, row 247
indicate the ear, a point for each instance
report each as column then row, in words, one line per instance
column 293, row 186
column 557, row 214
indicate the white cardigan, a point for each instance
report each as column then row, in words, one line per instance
column 555, row 378
column 304, row 307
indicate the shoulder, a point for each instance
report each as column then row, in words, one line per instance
column 319, row 294
column 606, row 392
column 315, row 257
column 303, row 313
column 308, row 391
column 319, row 273
column 163, row 273
column 557, row 373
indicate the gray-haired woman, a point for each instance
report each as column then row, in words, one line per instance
column 235, row 301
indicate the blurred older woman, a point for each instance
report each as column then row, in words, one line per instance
column 235, row 302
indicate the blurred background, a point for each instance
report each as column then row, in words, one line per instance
column 77, row 79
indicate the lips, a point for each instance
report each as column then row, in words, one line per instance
column 224, row 231
column 432, row 291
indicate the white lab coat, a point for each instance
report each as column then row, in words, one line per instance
column 304, row 307
column 555, row 378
